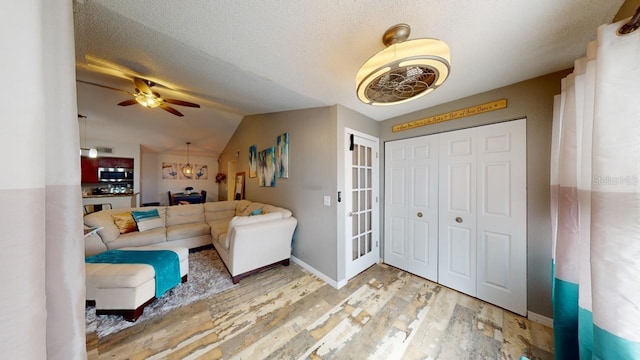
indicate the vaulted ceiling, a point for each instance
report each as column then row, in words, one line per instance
column 237, row 58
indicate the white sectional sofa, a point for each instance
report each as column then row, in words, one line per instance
column 249, row 236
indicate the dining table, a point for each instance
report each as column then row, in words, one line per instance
column 191, row 198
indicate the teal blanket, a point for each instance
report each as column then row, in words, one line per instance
column 165, row 263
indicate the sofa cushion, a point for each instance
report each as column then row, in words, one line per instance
column 185, row 214
column 109, row 231
column 220, row 210
column 219, row 227
column 102, row 275
column 137, row 238
column 124, row 222
column 251, row 208
column 241, row 208
column 149, row 224
column 185, row 231
column 246, row 220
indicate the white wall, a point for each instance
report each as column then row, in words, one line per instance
column 154, row 188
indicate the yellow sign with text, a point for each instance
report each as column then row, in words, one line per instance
column 473, row 110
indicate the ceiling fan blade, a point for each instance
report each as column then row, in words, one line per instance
column 182, row 103
column 104, row 86
column 127, row 102
column 142, row 85
column 171, row 110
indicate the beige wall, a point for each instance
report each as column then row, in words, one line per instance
column 531, row 99
column 316, row 152
column 627, row 9
column 312, row 174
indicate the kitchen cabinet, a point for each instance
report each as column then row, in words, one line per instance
column 114, row 162
column 89, row 168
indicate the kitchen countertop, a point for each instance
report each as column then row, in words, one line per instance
column 88, row 196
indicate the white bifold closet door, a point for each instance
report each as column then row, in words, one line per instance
column 482, row 227
column 473, row 203
column 411, row 203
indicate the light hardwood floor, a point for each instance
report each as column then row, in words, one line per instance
column 287, row 313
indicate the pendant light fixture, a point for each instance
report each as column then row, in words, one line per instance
column 187, row 170
column 93, row 152
column 404, row 71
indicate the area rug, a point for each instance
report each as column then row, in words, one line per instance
column 207, row 276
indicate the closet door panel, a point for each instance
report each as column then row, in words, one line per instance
column 457, row 204
column 414, row 199
column 396, row 203
column 502, row 245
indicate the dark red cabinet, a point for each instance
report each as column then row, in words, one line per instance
column 112, row 162
column 89, row 170
column 90, row 166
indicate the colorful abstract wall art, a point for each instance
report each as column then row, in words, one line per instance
column 253, row 160
column 267, row 167
column 282, row 156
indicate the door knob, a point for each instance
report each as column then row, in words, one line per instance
column 350, row 214
column 419, row 214
column 458, row 219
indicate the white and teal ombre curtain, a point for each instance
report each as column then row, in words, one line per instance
column 41, row 242
column 595, row 202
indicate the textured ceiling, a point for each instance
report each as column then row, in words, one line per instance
column 237, row 58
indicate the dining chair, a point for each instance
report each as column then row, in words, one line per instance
column 170, row 198
column 204, row 195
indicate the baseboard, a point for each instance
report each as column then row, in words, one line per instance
column 540, row 319
column 314, row 271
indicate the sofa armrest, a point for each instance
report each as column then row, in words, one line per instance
column 93, row 244
column 256, row 245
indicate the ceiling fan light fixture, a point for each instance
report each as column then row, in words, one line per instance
column 148, row 100
column 404, row 71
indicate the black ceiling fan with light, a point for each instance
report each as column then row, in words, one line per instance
column 147, row 97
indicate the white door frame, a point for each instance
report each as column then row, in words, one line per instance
column 351, row 271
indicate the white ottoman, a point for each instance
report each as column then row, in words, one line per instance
column 125, row 289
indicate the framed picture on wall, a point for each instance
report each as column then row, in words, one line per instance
column 201, row 172
column 238, row 193
column 282, row 155
column 267, row 167
column 169, row 170
column 253, row 161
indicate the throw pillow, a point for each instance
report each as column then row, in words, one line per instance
column 124, row 222
column 256, row 212
column 149, row 224
column 143, row 215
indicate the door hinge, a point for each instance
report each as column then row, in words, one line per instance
column 376, row 154
column 376, row 199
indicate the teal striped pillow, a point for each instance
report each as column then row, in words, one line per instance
column 145, row 215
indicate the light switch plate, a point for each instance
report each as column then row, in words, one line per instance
column 327, row 200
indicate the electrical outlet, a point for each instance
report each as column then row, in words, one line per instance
column 327, row 200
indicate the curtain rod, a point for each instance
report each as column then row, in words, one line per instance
column 632, row 25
